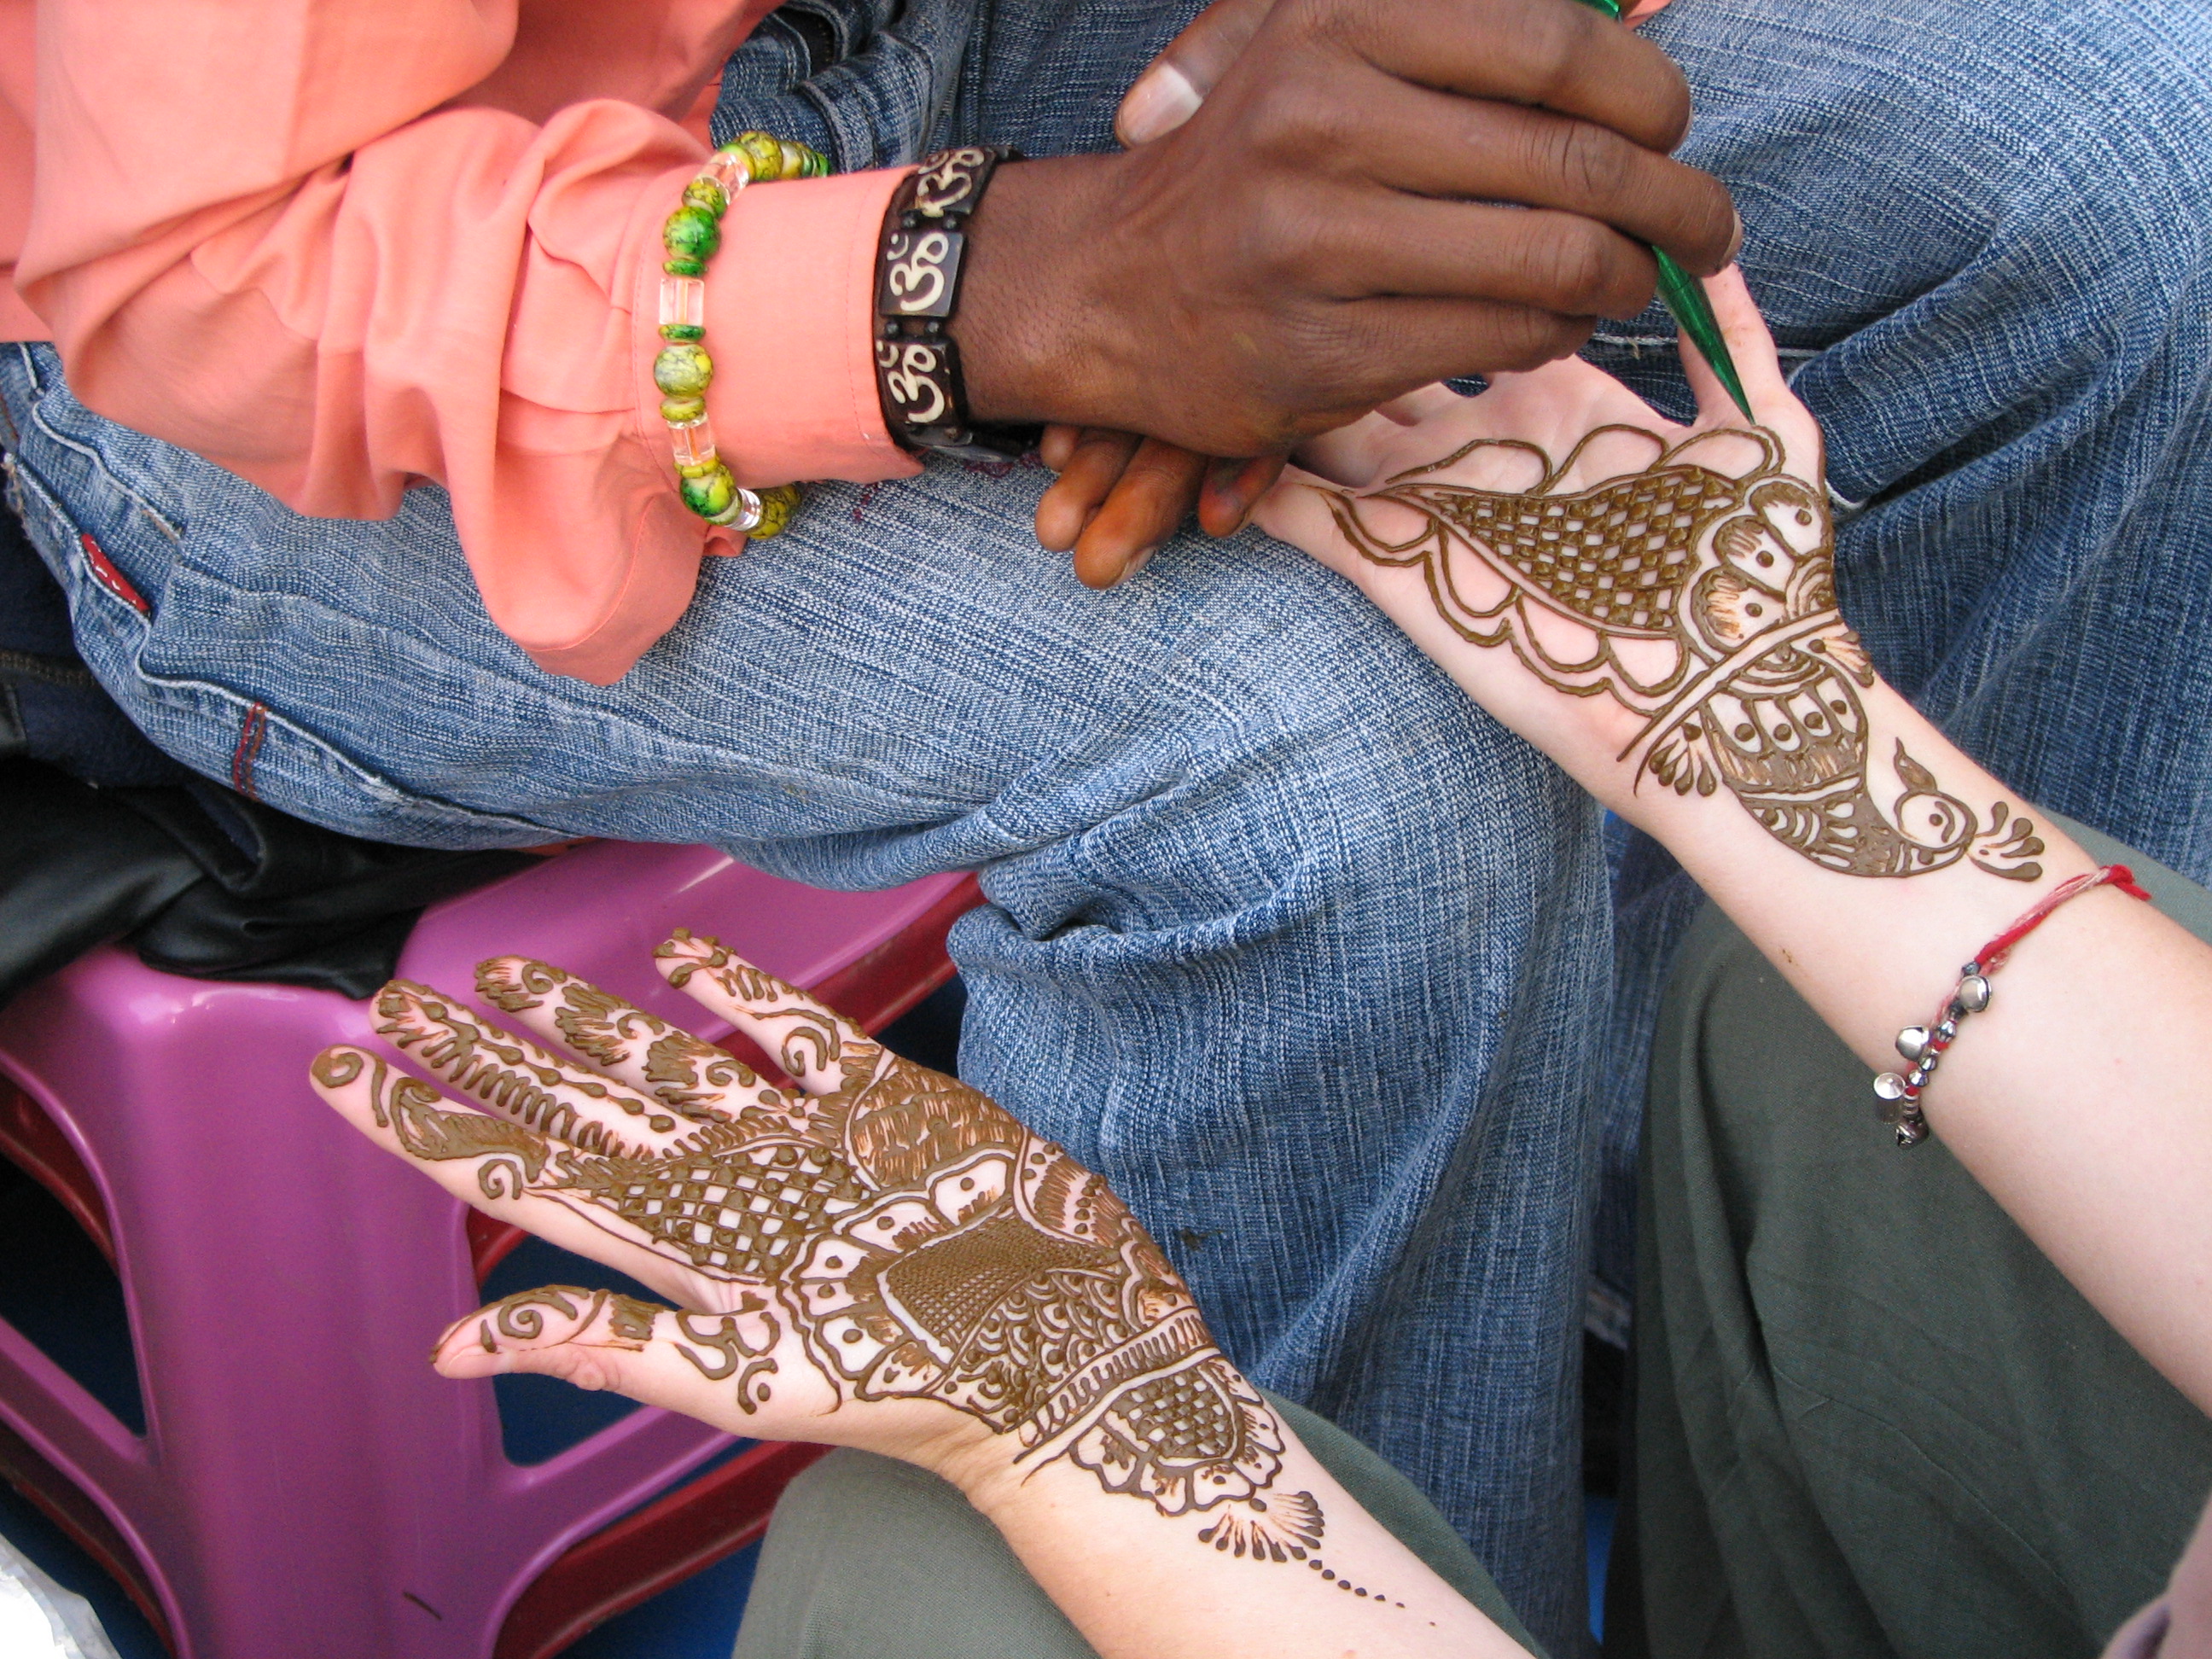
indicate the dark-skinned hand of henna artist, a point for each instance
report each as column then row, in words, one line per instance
column 1319, row 236
column 1119, row 496
column 879, row 1257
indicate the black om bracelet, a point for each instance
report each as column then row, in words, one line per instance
column 917, row 290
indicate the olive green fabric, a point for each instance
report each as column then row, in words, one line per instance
column 870, row 1559
column 1871, row 1420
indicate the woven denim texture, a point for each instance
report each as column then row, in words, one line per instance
column 1307, row 956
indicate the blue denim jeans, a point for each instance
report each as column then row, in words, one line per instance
column 1305, row 954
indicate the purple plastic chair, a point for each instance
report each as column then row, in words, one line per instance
column 307, row 1487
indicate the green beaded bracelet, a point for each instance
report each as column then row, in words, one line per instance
column 683, row 371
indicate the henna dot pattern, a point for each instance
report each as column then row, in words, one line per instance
column 1704, row 582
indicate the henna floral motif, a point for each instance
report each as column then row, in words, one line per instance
column 1699, row 595
column 919, row 1240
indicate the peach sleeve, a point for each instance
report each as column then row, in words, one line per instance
column 256, row 232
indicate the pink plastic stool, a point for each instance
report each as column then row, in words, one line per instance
column 307, row 1487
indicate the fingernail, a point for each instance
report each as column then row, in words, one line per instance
column 1735, row 243
column 459, row 1335
column 1162, row 100
column 1138, row 560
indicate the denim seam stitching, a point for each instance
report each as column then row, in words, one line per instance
column 371, row 783
column 161, row 520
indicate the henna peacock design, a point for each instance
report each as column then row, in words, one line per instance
column 1699, row 592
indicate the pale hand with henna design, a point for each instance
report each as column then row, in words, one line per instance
column 1556, row 536
column 882, row 1258
column 2101, row 1152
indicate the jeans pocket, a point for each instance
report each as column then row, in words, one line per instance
column 129, row 466
column 115, row 555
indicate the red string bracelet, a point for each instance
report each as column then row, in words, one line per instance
column 1924, row 1045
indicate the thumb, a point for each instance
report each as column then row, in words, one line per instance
column 1192, row 64
column 603, row 1340
column 556, row 1330
column 1750, row 347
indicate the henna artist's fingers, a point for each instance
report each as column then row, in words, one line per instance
column 1233, row 489
column 1057, row 445
column 822, row 1049
column 720, row 1368
column 521, row 1080
column 1148, row 503
column 690, row 1078
column 1092, row 463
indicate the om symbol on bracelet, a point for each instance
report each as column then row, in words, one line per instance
column 914, row 371
column 918, row 272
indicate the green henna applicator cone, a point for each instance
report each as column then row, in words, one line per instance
column 1684, row 296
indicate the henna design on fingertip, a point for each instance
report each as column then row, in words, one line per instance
column 521, row 1318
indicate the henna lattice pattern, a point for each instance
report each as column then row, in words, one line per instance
column 918, row 1239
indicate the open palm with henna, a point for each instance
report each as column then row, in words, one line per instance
column 1652, row 604
column 881, row 1257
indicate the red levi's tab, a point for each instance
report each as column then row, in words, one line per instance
column 111, row 579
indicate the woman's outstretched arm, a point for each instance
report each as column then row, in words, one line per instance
column 1654, row 606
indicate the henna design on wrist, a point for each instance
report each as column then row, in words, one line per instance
column 909, row 1234
column 1709, row 597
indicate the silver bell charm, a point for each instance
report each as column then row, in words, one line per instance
column 1912, row 1041
column 1889, row 1091
column 1974, row 993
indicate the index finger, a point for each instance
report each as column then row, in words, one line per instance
column 1559, row 54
